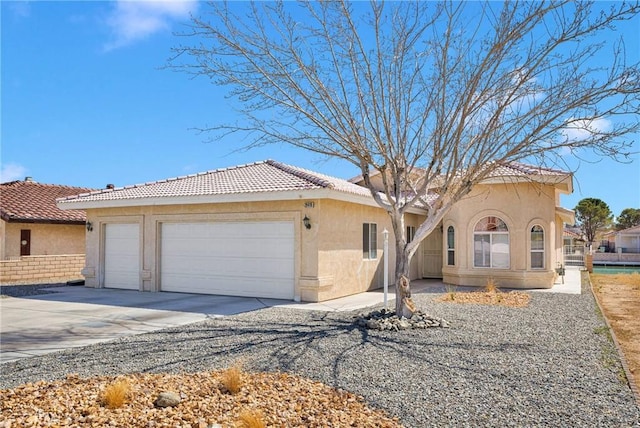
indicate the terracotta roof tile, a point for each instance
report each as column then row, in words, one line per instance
column 32, row 202
column 265, row 176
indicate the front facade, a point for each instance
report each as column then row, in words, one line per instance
column 31, row 223
column 277, row 231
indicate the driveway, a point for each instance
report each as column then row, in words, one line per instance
column 75, row 316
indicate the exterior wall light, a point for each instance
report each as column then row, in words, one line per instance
column 89, row 226
column 307, row 222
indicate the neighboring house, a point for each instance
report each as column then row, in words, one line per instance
column 273, row 230
column 628, row 240
column 572, row 237
column 39, row 243
column 32, row 223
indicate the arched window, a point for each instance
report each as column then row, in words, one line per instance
column 537, row 247
column 491, row 243
column 451, row 249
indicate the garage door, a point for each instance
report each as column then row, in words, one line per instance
column 122, row 256
column 231, row 258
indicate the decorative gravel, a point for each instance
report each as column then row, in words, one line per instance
column 27, row 290
column 548, row 364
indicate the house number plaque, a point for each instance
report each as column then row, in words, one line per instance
column 309, row 204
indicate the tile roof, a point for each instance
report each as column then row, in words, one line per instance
column 31, row 202
column 505, row 169
column 258, row 177
column 632, row 230
column 510, row 169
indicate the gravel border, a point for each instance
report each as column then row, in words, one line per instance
column 28, row 290
column 549, row 364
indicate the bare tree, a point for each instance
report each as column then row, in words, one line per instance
column 433, row 96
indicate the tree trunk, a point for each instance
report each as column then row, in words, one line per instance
column 404, row 304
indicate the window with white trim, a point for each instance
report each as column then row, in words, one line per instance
column 491, row 243
column 369, row 241
column 411, row 233
column 451, row 246
column 537, row 247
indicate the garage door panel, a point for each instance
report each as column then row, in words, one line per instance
column 122, row 256
column 232, row 258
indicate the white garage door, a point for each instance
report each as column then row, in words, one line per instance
column 231, row 258
column 122, row 256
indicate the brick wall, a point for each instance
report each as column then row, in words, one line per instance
column 41, row 269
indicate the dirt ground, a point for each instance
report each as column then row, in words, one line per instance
column 619, row 296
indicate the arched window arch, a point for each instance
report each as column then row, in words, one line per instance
column 491, row 243
column 537, row 247
column 451, row 246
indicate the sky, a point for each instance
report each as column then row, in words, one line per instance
column 85, row 101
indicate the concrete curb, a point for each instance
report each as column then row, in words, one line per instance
column 623, row 361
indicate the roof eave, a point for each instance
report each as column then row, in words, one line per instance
column 288, row 195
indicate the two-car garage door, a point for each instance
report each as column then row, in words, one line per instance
column 231, row 258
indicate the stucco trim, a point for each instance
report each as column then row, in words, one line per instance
column 292, row 195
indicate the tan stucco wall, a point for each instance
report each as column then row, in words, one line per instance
column 520, row 206
column 46, row 239
column 328, row 257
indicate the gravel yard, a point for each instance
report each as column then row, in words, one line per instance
column 548, row 364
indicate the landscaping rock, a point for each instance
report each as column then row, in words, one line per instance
column 167, row 399
column 385, row 320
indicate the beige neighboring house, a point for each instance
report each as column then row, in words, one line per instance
column 273, row 230
column 628, row 240
column 38, row 241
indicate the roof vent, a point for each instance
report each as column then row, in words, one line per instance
column 111, row 186
column 28, row 179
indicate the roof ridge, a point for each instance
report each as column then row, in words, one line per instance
column 163, row 180
column 528, row 168
column 302, row 173
column 35, row 183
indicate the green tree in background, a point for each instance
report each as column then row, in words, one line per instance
column 592, row 215
column 629, row 217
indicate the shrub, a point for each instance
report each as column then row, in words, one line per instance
column 492, row 286
column 232, row 379
column 251, row 419
column 115, row 395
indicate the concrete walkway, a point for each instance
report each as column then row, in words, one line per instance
column 76, row 316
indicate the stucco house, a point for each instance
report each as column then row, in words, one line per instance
column 628, row 240
column 32, row 224
column 269, row 229
column 38, row 241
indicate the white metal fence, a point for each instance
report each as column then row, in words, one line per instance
column 574, row 255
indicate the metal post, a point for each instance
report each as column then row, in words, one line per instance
column 385, row 234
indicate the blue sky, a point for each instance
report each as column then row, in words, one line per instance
column 85, row 102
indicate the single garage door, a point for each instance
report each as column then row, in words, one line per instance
column 122, row 256
column 231, row 258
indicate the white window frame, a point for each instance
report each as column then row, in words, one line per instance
column 411, row 233
column 369, row 241
column 451, row 246
column 495, row 238
column 533, row 250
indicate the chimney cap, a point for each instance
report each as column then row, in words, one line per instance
column 110, row 186
column 28, row 179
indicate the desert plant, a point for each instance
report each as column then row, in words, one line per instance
column 251, row 419
column 451, row 292
column 115, row 394
column 232, row 379
column 491, row 286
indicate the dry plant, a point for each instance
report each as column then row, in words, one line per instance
column 251, row 419
column 491, row 286
column 451, row 292
column 115, row 394
column 232, row 378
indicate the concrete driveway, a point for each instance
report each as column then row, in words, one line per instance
column 75, row 316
